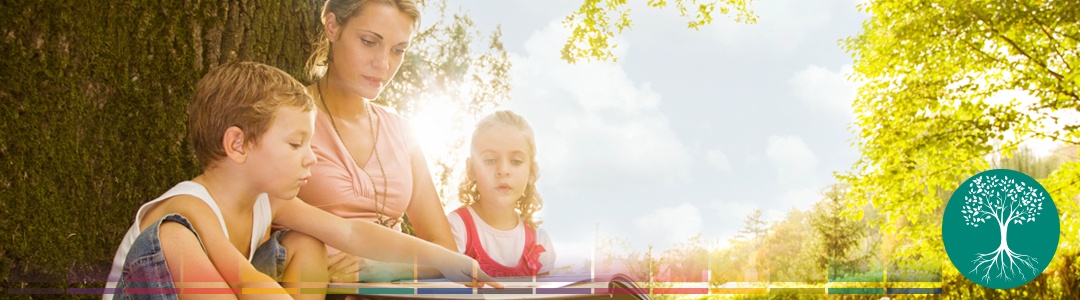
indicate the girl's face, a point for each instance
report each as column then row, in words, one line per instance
column 281, row 160
column 501, row 162
column 369, row 48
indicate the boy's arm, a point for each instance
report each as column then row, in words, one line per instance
column 245, row 281
column 369, row 240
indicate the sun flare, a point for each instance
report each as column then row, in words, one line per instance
column 442, row 125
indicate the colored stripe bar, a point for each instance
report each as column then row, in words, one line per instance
column 797, row 291
column 444, row 291
column 506, row 291
column 913, row 291
column 618, row 291
column 385, row 291
column 738, row 291
column 36, row 291
column 681, row 291
column 856, row 291
column 85, row 291
column 564, row 291
column 150, row 291
column 207, row 291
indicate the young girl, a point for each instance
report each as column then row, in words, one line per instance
column 495, row 223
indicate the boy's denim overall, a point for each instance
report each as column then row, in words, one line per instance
column 146, row 276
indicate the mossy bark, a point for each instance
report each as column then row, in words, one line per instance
column 92, row 103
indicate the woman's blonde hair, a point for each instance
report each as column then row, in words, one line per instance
column 530, row 201
column 345, row 10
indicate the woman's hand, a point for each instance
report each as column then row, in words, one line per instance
column 377, row 271
column 467, row 271
column 343, row 267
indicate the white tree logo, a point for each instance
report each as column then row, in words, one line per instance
column 1005, row 202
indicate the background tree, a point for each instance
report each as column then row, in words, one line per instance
column 754, row 229
column 93, row 110
column 597, row 21
column 947, row 84
column 686, row 261
column 788, row 251
column 728, row 264
column 846, row 246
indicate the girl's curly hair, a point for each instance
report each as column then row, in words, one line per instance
column 530, row 201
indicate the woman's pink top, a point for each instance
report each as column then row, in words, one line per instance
column 338, row 186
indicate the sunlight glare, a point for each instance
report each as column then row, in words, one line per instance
column 442, row 127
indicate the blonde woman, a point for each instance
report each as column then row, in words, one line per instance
column 370, row 165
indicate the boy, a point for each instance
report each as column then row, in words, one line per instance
column 250, row 127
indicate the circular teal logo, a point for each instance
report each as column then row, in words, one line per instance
column 1000, row 229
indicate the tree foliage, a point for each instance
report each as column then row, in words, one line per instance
column 451, row 66
column 790, row 250
column 846, row 247
column 946, row 84
column 597, row 21
column 949, row 85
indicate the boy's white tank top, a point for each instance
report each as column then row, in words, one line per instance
column 260, row 221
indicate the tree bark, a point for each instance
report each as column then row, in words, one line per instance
column 93, row 113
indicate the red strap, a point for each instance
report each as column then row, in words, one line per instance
column 528, row 265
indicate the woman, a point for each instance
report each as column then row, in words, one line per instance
column 370, row 164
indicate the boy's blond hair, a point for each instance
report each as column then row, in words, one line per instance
column 241, row 94
column 530, row 201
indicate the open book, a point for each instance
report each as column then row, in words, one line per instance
column 509, row 282
column 552, row 286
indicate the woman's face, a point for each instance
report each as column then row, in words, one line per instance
column 370, row 47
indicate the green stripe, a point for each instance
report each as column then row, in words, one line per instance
column 856, row 291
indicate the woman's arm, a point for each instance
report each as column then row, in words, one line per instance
column 426, row 214
column 425, row 210
column 366, row 239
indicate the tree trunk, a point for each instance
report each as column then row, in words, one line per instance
column 93, row 106
column 1004, row 229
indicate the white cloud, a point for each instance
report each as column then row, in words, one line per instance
column 729, row 216
column 782, row 25
column 572, row 252
column 802, row 199
column 594, row 125
column 793, row 160
column 668, row 225
column 717, row 159
column 824, row 89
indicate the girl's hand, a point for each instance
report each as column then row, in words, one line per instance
column 343, row 267
column 467, row 271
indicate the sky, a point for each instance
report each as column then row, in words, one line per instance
column 690, row 131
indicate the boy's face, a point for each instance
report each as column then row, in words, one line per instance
column 501, row 165
column 281, row 160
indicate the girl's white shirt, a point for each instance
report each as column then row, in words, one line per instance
column 503, row 246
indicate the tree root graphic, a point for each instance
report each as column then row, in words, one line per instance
column 1008, row 263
